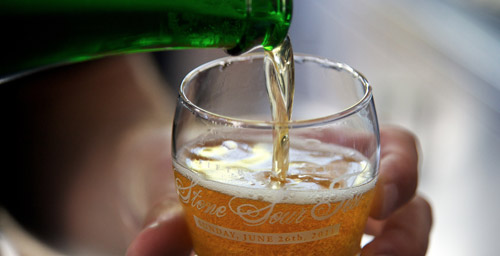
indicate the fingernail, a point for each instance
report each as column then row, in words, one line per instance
column 165, row 235
column 164, row 211
column 166, row 215
column 390, row 199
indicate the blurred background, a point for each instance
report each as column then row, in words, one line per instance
column 435, row 69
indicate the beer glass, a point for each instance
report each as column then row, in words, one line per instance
column 222, row 157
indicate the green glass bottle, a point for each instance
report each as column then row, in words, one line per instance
column 40, row 33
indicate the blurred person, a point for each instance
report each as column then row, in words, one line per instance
column 72, row 137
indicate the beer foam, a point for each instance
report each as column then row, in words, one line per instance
column 318, row 172
column 282, row 195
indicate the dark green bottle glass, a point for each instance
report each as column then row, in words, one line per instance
column 45, row 32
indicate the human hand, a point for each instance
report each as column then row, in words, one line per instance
column 400, row 220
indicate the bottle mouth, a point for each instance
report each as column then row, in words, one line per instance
column 265, row 32
column 362, row 102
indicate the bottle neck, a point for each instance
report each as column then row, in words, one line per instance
column 42, row 33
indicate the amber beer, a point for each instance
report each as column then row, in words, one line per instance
column 237, row 200
column 231, row 209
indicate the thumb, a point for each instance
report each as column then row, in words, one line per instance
column 166, row 233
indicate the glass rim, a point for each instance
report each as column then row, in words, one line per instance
column 263, row 124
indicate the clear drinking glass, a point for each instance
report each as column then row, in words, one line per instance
column 222, row 157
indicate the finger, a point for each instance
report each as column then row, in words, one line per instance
column 362, row 141
column 166, row 235
column 406, row 232
column 398, row 175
